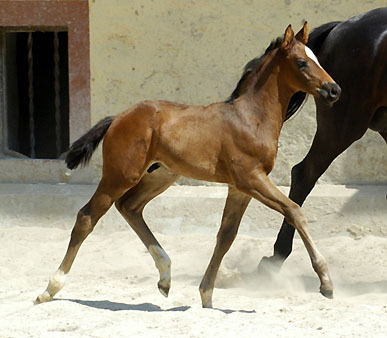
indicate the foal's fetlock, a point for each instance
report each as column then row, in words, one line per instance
column 55, row 284
column 164, row 283
column 163, row 264
column 206, row 296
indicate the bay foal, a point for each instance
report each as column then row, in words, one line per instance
column 233, row 142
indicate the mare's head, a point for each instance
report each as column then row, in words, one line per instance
column 302, row 70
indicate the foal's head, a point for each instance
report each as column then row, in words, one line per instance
column 301, row 68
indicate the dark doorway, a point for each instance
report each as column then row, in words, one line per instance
column 36, row 93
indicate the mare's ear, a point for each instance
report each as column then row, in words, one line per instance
column 288, row 38
column 303, row 34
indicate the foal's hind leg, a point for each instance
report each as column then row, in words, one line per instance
column 234, row 209
column 87, row 218
column 131, row 206
column 260, row 187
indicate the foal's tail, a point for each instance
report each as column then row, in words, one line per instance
column 81, row 150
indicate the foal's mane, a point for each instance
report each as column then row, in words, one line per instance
column 316, row 40
column 251, row 66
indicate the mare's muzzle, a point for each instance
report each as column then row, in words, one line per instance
column 330, row 92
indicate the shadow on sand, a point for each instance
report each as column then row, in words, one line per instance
column 146, row 307
column 114, row 306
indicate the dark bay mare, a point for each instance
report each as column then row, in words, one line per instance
column 354, row 52
column 233, row 142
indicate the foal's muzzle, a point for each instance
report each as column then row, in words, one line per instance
column 330, row 92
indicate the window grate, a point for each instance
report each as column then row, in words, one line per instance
column 35, row 100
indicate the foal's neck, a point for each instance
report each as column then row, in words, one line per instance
column 268, row 95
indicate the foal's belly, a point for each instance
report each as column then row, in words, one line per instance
column 199, row 168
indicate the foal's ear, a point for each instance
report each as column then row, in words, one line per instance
column 288, row 38
column 303, row 34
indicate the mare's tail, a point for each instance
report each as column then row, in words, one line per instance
column 81, row 150
column 316, row 40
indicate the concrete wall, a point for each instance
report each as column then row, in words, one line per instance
column 194, row 52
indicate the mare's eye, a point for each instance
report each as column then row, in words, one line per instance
column 301, row 63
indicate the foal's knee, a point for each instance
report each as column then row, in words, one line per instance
column 294, row 215
column 83, row 225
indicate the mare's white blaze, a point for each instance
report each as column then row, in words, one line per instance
column 162, row 262
column 311, row 55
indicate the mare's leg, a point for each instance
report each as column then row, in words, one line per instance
column 332, row 137
column 260, row 187
column 234, row 209
column 86, row 220
column 131, row 206
column 384, row 135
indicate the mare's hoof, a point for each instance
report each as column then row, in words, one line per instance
column 327, row 293
column 164, row 290
column 269, row 265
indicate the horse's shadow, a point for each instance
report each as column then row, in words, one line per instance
column 145, row 307
column 114, row 306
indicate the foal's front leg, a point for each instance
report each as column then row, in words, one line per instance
column 234, row 209
column 259, row 186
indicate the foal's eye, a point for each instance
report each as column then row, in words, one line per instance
column 301, row 63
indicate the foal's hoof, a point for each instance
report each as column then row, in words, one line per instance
column 269, row 265
column 43, row 298
column 207, row 305
column 206, row 297
column 327, row 293
column 164, row 290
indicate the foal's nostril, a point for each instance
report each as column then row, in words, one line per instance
column 334, row 93
column 330, row 92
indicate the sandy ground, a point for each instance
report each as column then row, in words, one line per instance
column 111, row 290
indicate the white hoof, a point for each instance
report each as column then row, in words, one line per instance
column 54, row 285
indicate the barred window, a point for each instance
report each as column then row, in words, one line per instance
column 44, row 78
column 35, row 96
